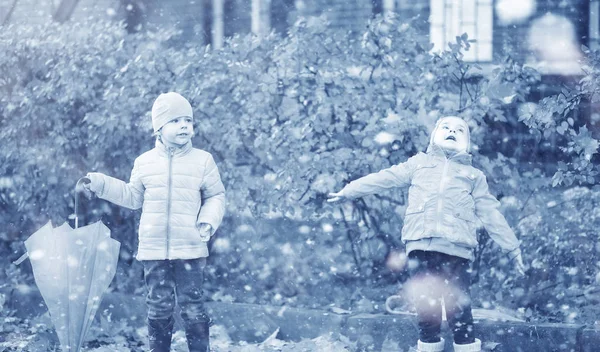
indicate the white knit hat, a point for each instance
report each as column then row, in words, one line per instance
column 167, row 107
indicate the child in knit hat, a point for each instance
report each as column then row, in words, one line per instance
column 446, row 197
column 182, row 198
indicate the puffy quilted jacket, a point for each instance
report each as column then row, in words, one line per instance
column 446, row 198
column 176, row 190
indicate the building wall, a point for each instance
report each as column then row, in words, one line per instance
column 416, row 10
column 105, row 9
column 349, row 14
column 30, row 11
column 188, row 16
column 41, row 11
column 193, row 17
column 283, row 14
column 514, row 37
column 237, row 17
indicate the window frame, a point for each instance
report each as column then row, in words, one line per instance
column 440, row 16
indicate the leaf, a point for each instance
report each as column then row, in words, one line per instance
column 508, row 99
column 557, row 179
column 585, row 49
column 490, row 346
column 272, row 340
column 562, row 165
column 585, row 143
column 339, row 310
column 562, row 128
column 547, row 133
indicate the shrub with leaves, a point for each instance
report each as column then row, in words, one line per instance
column 288, row 120
column 562, row 117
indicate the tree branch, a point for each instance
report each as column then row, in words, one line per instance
column 389, row 199
column 348, row 234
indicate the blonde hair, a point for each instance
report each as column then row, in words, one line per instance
column 439, row 122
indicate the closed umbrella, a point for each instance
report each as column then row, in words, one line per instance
column 72, row 269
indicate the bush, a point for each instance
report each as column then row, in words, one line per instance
column 287, row 119
column 560, row 243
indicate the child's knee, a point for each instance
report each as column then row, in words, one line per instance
column 159, row 313
column 194, row 313
column 160, row 309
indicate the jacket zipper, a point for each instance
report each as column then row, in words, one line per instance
column 440, row 195
column 170, row 157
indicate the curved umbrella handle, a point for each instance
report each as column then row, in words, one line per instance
column 389, row 307
column 79, row 188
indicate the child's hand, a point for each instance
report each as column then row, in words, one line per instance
column 335, row 197
column 519, row 266
column 86, row 182
column 205, row 231
column 92, row 183
column 84, row 185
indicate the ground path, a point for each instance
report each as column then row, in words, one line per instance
column 247, row 328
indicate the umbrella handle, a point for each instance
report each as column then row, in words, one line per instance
column 79, row 188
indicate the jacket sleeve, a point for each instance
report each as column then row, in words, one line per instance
column 486, row 209
column 396, row 176
column 129, row 195
column 213, row 196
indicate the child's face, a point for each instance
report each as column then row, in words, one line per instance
column 452, row 134
column 177, row 132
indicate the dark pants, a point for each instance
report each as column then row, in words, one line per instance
column 435, row 276
column 171, row 282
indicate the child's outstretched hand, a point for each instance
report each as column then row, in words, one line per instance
column 519, row 266
column 335, row 197
column 205, row 231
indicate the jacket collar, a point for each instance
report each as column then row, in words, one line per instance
column 163, row 150
column 438, row 152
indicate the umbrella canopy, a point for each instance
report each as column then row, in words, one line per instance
column 72, row 269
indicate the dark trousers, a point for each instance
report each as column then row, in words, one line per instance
column 171, row 282
column 436, row 276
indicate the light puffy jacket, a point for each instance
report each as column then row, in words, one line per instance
column 446, row 198
column 176, row 189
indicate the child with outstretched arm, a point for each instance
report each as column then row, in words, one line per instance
column 182, row 198
column 446, row 196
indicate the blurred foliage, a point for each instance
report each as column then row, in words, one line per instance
column 557, row 117
column 558, row 230
column 288, row 120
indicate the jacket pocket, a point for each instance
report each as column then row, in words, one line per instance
column 465, row 215
column 414, row 223
column 465, row 226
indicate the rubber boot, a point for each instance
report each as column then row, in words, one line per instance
column 470, row 347
column 197, row 335
column 430, row 346
column 160, row 332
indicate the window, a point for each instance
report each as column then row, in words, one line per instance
column 450, row 18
